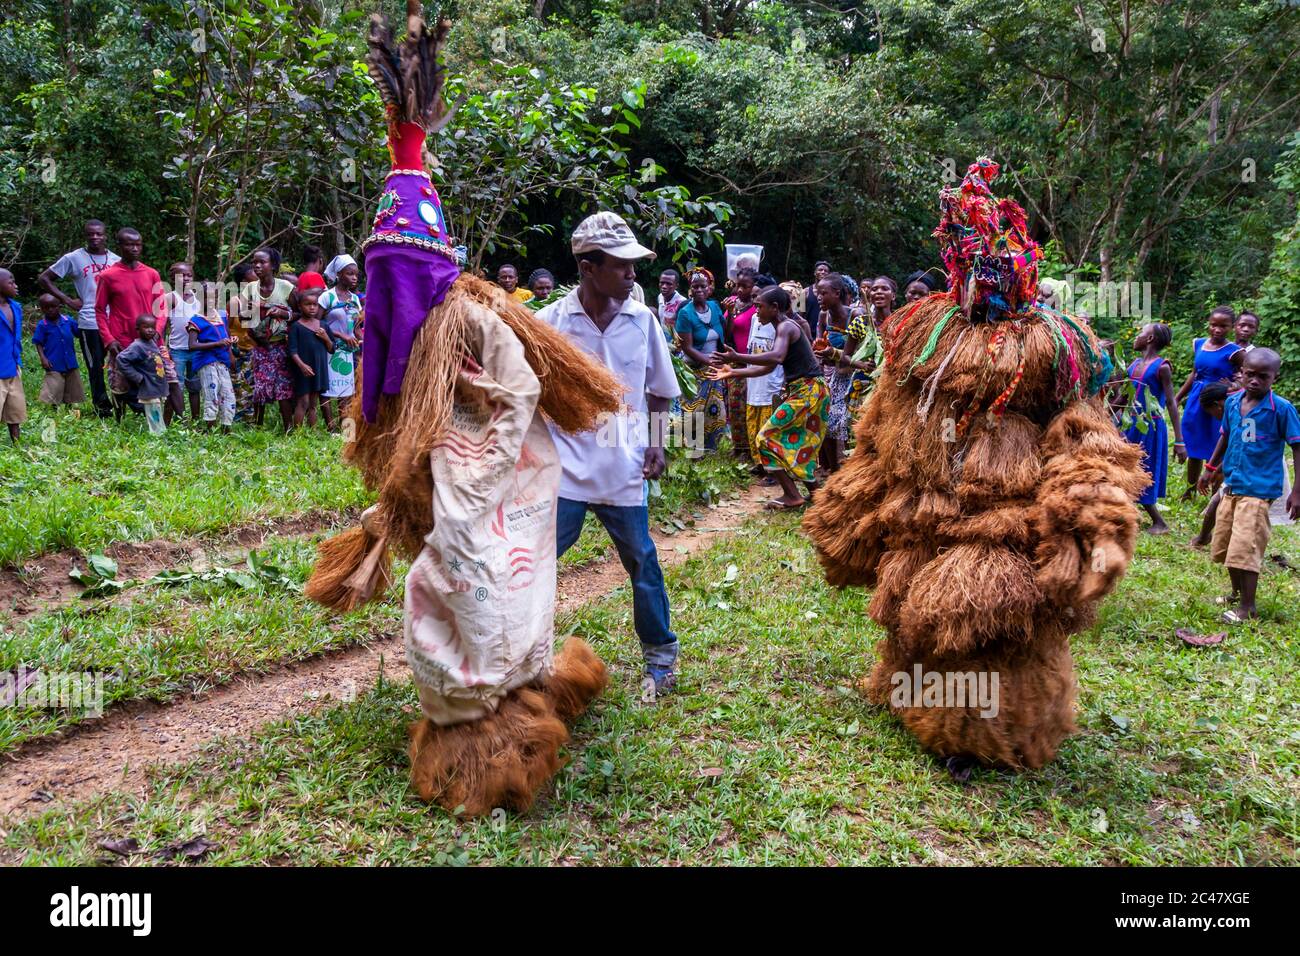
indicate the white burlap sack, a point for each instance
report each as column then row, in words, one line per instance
column 480, row 597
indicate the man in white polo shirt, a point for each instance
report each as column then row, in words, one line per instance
column 605, row 471
column 83, row 267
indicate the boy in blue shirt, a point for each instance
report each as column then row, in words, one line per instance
column 1257, row 426
column 13, row 402
column 209, row 345
column 55, row 339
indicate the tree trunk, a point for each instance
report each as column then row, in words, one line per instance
column 69, row 64
column 340, row 240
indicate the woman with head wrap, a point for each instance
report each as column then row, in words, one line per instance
column 699, row 326
column 340, row 310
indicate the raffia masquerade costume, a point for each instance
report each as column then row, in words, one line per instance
column 455, row 379
column 990, row 497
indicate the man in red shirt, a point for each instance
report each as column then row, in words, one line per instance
column 125, row 291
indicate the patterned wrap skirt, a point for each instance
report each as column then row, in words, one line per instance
column 705, row 416
column 838, row 418
column 737, row 389
column 271, row 379
column 859, row 389
column 794, row 433
column 756, row 417
column 242, row 380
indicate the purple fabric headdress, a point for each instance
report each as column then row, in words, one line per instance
column 410, row 262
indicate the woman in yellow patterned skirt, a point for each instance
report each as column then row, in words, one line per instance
column 788, row 443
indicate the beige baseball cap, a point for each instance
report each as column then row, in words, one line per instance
column 608, row 233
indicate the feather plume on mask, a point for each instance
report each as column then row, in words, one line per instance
column 408, row 74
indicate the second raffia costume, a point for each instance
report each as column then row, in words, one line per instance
column 456, row 377
column 990, row 499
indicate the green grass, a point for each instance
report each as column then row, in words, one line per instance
column 85, row 483
column 765, row 755
column 155, row 643
column 160, row 642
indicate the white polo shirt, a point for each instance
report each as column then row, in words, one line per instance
column 603, row 467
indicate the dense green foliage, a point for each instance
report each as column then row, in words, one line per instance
column 1279, row 298
column 1143, row 138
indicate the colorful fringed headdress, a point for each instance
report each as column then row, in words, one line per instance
column 410, row 81
column 991, row 261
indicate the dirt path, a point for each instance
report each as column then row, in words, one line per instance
column 114, row 753
column 42, row 584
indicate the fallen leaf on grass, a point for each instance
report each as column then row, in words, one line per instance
column 1192, row 639
column 107, row 587
column 190, row 850
column 121, row 847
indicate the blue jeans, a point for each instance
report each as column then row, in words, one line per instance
column 629, row 528
column 184, row 359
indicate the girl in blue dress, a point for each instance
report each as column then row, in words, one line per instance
column 1213, row 363
column 1154, row 384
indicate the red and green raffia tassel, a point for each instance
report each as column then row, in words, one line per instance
column 891, row 333
column 931, row 344
column 1000, row 403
